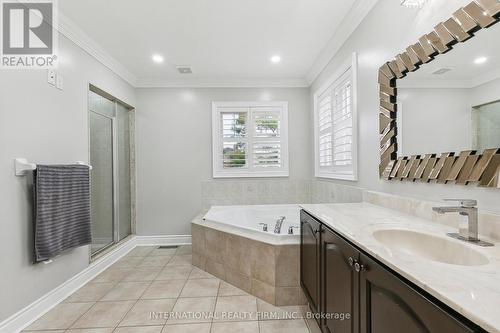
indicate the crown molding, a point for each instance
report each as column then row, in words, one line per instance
column 356, row 15
column 453, row 84
column 486, row 78
column 71, row 31
column 223, row 83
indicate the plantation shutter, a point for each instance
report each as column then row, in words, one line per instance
column 342, row 122
column 325, row 129
column 250, row 139
column 234, row 139
column 267, row 148
column 335, row 129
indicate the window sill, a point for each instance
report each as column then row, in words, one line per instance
column 337, row 176
column 274, row 174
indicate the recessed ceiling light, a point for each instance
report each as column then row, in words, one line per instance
column 158, row 58
column 480, row 60
column 275, row 59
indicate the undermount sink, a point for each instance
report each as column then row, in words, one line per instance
column 429, row 247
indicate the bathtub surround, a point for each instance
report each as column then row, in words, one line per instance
column 268, row 271
column 254, row 192
column 276, row 191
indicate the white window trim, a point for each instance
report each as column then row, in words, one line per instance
column 217, row 141
column 352, row 64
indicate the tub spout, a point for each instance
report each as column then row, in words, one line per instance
column 279, row 222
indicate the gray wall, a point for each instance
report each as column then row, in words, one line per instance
column 416, row 134
column 386, row 31
column 44, row 125
column 174, row 149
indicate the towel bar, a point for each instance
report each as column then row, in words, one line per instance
column 22, row 166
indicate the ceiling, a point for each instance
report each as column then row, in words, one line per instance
column 463, row 71
column 227, row 41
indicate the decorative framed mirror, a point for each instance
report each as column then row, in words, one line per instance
column 439, row 114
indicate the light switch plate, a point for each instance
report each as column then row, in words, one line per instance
column 51, row 77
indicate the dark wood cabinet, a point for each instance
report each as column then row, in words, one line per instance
column 339, row 284
column 389, row 304
column 310, row 231
column 339, row 280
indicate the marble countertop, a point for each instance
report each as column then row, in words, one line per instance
column 473, row 291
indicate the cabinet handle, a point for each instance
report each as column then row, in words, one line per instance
column 358, row 267
column 350, row 261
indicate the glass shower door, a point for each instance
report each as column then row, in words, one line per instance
column 110, row 151
column 101, row 158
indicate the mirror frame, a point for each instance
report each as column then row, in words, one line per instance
column 464, row 168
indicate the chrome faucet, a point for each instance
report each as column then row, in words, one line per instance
column 290, row 229
column 264, row 226
column 279, row 222
column 467, row 208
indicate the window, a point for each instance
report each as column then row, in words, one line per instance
column 335, row 125
column 250, row 139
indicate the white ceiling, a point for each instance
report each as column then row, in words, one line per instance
column 464, row 72
column 223, row 40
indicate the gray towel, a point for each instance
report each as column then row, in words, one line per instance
column 62, row 209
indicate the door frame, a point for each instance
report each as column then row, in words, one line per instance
column 91, row 88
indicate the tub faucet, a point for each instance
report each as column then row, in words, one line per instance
column 264, row 226
column 466, row 208
column 290, row 229
column 279, row 222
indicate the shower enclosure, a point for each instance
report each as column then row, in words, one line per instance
column 111, row 148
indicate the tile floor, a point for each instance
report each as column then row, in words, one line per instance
column 153, row 290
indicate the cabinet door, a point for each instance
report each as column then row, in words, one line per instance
column 309, row 258
column 390, row 305
column 340, row 285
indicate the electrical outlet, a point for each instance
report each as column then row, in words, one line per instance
column 59, row 81
column 51, row 77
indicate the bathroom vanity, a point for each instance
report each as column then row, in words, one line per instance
column 355, row 284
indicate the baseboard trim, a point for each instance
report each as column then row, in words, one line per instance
column 25, row 317
column 163, row 240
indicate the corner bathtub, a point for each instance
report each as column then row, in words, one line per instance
column 246, row 221
column 229, row 243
